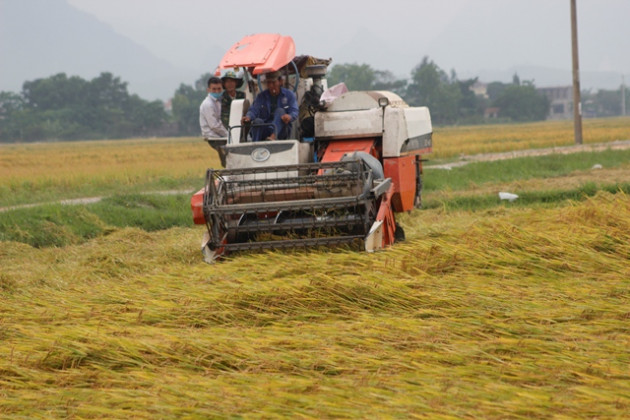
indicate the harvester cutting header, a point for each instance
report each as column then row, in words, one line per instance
column 350, row 160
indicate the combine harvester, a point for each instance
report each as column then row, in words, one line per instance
column 354, row 160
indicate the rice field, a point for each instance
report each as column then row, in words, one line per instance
column 47, row 171
column 510, row 312
column 470, row 140
column 32, row 173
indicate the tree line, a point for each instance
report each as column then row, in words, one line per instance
column 451, row 100
column 71, row 108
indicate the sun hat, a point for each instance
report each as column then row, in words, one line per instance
column 231, row 75
column 272, row 75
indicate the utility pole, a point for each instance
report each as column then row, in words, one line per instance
column 623, row 96
column 577, row 102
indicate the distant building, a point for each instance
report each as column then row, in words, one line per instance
column 491, row 113
column 480, row 89
column 560, row 101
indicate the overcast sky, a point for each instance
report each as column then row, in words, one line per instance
column 465, row 35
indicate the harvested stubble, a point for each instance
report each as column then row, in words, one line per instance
column 508, row 313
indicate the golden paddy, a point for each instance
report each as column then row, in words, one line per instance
column 501, row 313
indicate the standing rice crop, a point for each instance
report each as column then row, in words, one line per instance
column 469, row 140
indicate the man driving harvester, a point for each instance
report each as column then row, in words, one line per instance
column 275, row 105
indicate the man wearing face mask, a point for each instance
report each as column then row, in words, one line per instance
column 210, row 116
column 210, row 111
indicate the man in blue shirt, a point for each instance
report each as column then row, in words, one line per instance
column 275, row 105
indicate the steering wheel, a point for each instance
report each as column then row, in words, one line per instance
column 297, row 79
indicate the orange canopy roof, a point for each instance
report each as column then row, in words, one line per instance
column 263, row 52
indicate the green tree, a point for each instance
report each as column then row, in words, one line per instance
column 61, row 107
column 522, row 103
column 107, row 92
column 355, row 76
column 147, row 118
column 516, row 80
column 430, row 86
column 606, row 103
column 494, row 90
column 201, row 84
column 58, row 91
column 385, row 80
column 186, row 102
column 470, row 105
column 10, row 103
column 11, row 116
column 364, row 77
column 426, row 80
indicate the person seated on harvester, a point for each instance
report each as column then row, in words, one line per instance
column 275, row 105
column 230, row 82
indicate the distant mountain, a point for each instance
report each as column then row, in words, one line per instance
column 360, row 49
column 59, row 38
column 369, row 48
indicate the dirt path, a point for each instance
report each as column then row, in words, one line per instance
column 84, row 200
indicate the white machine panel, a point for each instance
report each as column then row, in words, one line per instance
column 345, row 124
column 406, row 130
column 267, row 153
